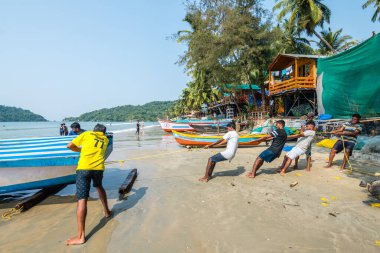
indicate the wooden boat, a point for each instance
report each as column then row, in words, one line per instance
column 169, row 126
column 34, row 163
column 199, row 140
column 213, row 128
column 186, row 125
column 209, row 128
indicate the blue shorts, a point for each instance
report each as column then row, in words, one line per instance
column 267, row 155
column 217, row 158
column 348, row 145
column 83, row 182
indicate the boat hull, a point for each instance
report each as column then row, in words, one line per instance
column 35, row 163
column 203, row 140
column 169, row 126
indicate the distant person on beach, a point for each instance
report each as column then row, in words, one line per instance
column 279, row 138
column 138, row 127
column 142, row 127
column 232, row 139
column 65, row 130
column 303, row 146
column 92, row 146
column 75, row 129
column 61, row 130
column 348, row 134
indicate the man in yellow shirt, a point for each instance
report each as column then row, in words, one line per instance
column 92, row 146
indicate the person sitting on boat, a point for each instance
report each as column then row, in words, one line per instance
column 279, row 138
column 92, row 146
column 75, row 129
column 303, row 146
column 348, row 134
column 232, row 139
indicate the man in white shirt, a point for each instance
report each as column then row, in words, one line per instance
column 232, row 139
column 303, row 146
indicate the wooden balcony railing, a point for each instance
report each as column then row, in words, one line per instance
column 292, row 84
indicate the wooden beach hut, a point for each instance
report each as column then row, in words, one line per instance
column 292, row 84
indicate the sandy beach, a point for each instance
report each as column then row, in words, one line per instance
column 168, row 210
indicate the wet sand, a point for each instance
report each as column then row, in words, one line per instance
column 168, row 210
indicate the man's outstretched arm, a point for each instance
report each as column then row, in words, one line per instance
column 73, row 147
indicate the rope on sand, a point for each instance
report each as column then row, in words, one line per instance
column 356, row 170
column 7, row 215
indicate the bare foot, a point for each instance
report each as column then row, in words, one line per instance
column 282, row 173
column 107, row 213
column 250, row 175
column 328, row 166
column 76, row 240
column 204, row 179
column 279, row 169
column 307, row 169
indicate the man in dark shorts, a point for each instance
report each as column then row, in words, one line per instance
column 92, row 146
column 232, row 139
column 348, row 134
column 279, row 138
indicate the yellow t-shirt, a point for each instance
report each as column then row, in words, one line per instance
column 94, row 145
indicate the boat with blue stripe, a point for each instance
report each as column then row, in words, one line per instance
column 200, row 140
column 34, row 163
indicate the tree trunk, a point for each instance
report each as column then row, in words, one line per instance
column 263, row 97
column 324, row 41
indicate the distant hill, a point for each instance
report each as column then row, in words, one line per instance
column 12, row 114
column 146, row 112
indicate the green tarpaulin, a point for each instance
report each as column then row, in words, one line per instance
column 349, row 82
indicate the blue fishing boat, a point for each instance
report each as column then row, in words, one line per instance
column 34, row 163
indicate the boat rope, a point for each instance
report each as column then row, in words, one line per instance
column 7, row 215
column 356, row 170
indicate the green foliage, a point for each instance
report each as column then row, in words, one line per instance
column 338, row 41
column 13, row 114
column 376, row 4
column 147, row 112
column 305, row 15
column 290, row 40
column 229, row 42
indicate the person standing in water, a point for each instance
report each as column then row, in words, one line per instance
column 138, row 127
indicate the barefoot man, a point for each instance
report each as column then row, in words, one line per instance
column 92, row 146
column 348, row 134
column 274, row 151
column 232, row 139
column 303, row 146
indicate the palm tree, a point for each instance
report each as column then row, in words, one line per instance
column 306, row 15
column 338, row 41
column 292, row 42
column 376, row 4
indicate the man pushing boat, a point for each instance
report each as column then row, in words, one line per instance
column 92, row 146
column 232, row 139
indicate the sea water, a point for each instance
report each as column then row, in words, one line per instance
column 14, row 130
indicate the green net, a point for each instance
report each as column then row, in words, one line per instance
column 350, row 81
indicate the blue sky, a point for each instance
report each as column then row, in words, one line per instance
column 64, row 58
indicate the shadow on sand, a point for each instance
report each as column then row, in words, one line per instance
column 236, row 172
column 126, row 203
